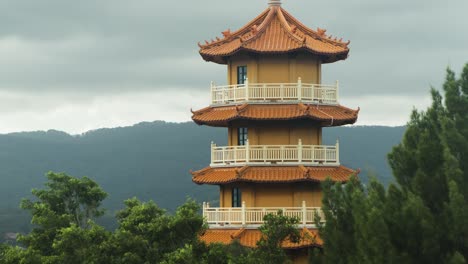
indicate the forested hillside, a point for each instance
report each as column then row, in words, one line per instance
column 149, row 161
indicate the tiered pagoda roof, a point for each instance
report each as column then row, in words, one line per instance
column 327, row 115
column 275, row 31
column 271, row 174
column 250, row 237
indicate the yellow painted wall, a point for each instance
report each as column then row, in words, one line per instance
column 286, row 68
column 277, row 133
column 277, row 68
column 300, row 258
column 274, row 195
column 247, row 194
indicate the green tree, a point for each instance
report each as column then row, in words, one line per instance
column 424, row 217
column 339, row 231
column 75, row 245
column 65, row 232
column 275, row 229
column 146, row 233
column 67, row 201
column 431, row 163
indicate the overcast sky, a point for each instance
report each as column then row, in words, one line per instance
column 87, row 64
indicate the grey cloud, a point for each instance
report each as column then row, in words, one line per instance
column 100, row 47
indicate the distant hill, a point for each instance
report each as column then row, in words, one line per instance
column 149, row 161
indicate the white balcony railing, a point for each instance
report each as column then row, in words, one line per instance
column 253, row 216
column 274, row 92
column 315, row 155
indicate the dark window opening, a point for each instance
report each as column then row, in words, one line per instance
column 241, row 74
column 236, row 197
column 242, row 136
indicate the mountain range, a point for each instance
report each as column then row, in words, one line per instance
column 150, row 160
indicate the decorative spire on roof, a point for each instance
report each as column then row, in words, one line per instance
column 275, row 31
column 274, row 2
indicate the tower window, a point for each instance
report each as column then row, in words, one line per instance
column 241, row 74
column 236, row 197
column 242, row 136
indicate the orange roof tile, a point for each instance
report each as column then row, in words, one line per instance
column 275, row 31
column 250, row 237
column 271, row 174
column 328, row 115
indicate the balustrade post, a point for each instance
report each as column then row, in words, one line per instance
column 282, row 153
column 234, row 154
column 223, row 151
column 304, row 213
column 299, row 150
column 246, row 87
column 282, row 92
column 247, row 151
column 204, row 208
column 214, row 96
column 243, row 213
column 213, row 145
column 337, row 88
column 337, row 146
column 299, row 89
column 264, row 154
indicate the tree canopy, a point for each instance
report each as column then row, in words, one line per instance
column 65, row 231
column 423, row 218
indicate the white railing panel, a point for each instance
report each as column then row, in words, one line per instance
column 244, row 216
column 274, row 92
column 275, row 154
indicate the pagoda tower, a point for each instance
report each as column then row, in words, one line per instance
column 274, row 108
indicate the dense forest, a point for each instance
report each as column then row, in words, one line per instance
column 150, row 161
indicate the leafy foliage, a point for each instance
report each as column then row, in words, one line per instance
column 275, row 229
column 66, row 201
column 66, row 233
column 424, row 217
column 146, row 233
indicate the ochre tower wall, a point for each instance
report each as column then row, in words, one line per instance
column 277, row 133
column 300, row 258
column 286, row 68
column 274, row 48
column 274, row 195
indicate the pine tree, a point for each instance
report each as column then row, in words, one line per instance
column 423, row 218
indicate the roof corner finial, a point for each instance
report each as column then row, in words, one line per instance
column 274, row 2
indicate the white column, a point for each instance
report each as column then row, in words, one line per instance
column 246, row 86
column 282, row 92
column 213, row 95
column 282, row 153
column 299, row 89
column 337, row 90
column 337, row 151
column 304, row 213
column 299, row 150
column 247, row 151
column 213, row 145
column 243, row 213
column 204, row 208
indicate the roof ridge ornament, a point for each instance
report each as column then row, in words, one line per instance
column 274, row 2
